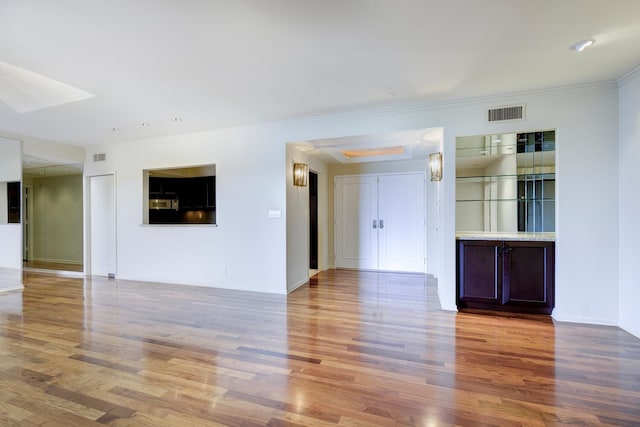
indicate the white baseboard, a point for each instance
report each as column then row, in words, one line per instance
column 633, row 331
column 584, row 320
column 10, row 279
column 296, row 286
column 59, row 261
column 11, row 288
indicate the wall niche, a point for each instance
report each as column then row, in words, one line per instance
column 184, row 195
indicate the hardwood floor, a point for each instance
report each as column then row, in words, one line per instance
column 48, row 265
column 349, row 349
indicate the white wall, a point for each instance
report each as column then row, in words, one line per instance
column 246, row 250
column 4, row 203
column 297, row 215
column 298, row 219
column 10, row 234
column 586, row 121
column 629, row 159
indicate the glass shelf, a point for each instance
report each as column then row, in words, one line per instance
column 520, row 177
column 538, row 199
column 506, row 182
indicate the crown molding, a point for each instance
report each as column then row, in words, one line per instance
column 422, row 105
column 629, row 75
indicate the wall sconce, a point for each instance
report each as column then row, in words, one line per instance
column 435, row 166
column 300, row 173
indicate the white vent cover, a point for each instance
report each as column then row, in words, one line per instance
column 99, row 157
column 500, row 114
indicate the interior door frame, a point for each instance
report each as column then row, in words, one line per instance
column 27, row 222
column 313, row 221
column 90, row 241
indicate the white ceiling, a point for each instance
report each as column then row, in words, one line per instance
column 416, row 144
column 221, row 63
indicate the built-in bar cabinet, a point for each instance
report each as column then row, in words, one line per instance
column 505, row 222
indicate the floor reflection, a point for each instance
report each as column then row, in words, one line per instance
column 349, row 348
column 49, row 265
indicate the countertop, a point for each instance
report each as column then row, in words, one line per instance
column 481, row 235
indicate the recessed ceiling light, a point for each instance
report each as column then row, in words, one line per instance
column 582, row 45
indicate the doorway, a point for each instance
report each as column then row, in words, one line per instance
column 27, row 229
column 53, row 218
column 313, row 220
column 102, row 190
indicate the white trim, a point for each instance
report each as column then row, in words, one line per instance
column 409, row 172
column 60, row 273
column 297, row 285
column 629, row 75
column 60, row 261
column 370, row 112
column 584, row 320
column 11, row 289
column 28, row 222
column 635, row 332
column 179, row 225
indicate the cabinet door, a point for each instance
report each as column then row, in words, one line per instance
column 528, row 275
column 479, row 273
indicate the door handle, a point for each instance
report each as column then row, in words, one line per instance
column 381, row 224
column 375, row 224
column 505, row 249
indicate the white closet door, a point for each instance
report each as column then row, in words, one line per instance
column 381, row 222
column 356, row 208
column 103, row 225
column 401, row 214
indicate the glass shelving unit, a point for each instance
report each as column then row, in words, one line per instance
column 506, row 183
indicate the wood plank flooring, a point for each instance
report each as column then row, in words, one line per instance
column 49, row 265
column 350, row 349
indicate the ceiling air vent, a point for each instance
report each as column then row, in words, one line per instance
column 99, row 157
column 513, row 112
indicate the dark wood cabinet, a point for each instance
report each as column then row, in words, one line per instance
column 506, row 275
